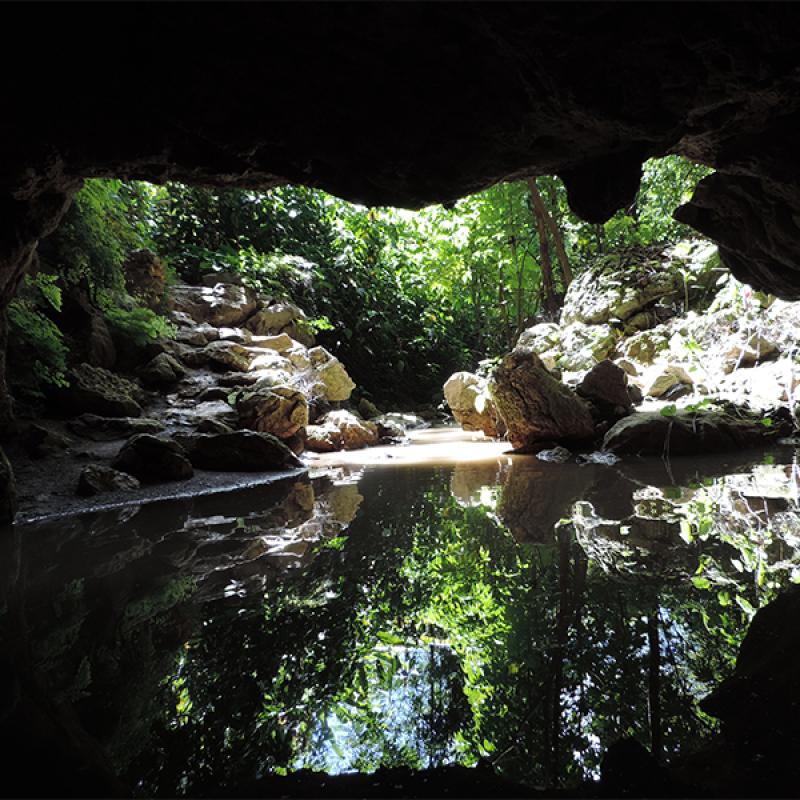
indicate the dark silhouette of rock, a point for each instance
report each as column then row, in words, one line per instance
column 606, row 385
column 689, row 433
column 240, row 451
column 97, row 479
column 152, row 460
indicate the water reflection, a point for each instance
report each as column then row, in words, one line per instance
column 525, row 612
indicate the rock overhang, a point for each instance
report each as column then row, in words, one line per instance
column 411, row 104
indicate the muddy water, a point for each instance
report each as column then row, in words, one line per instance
column 440, row 603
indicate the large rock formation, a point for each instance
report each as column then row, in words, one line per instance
column 534, row 405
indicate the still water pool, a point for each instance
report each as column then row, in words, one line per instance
column 430, row 605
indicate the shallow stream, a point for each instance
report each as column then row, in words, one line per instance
column 434, row 604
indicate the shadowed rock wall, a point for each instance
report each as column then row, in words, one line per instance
column 409, row 104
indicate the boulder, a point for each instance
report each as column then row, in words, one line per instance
column 534, row 405
column 624, row 285
column 192, row 337
column 280, row 343
column 268, row 360
column 281, row 411
column 469, row 400
column 98, row 391
column 332, row 374
column 240, row 451
column 227, row 355
column 8, row 491
column 104, row 429
column 152, row 460
column 670, row 377
column 161, row 372
column 222, row 305
column 341, row 430
column 213, row 425
column 645, row 347
column 273, row 319
column 97, row 479
column 689, row 433
column 606, row 385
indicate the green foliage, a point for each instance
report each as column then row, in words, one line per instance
column 106, row 221
column 37, row 354
column 137, row 325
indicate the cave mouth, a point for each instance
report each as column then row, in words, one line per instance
column 358, row 615
column 410, row 606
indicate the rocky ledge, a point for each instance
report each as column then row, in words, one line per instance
column 657, row 352
column 241, row 388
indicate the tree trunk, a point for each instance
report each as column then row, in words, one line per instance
column 558, row 240
column 654, row 683
column 548, row 290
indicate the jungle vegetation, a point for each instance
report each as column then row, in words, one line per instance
column 402, row 298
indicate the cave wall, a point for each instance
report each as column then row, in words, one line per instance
column 409, row 104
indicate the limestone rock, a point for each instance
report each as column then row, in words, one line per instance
column 644, row 347
column 145, row 278
column 103, row 429
column 152, row 460
column 534, row 405
column 98, row 391
column 235, row 335
column 227, row 355
column 281, row 411
column 341, row 430
column 162, row 371
column 192, row 337
column 240, row 451
column 281, row 343
column 273, row 319
column 265, row 359
column 625, row 285
column 332, row 374
column 97, row 479
column 754, row 351
column 545, row 340
column 582, row 346
column 687, row 433
column 670, row 377
column 472, row 406
column 224, row 304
